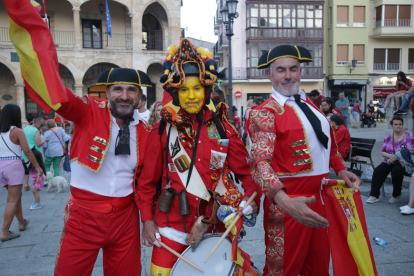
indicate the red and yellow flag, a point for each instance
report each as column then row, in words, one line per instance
column 238, row 256
column 37, row 53
column 348, row 234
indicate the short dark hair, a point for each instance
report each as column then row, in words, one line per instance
column 144, row 98
column 314, row 93
column 256, row 101
column 337, row 119
column 10, row 116
column 396, row 118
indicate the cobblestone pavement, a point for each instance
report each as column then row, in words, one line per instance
column 35, row 251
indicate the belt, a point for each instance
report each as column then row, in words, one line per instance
column 111, row 205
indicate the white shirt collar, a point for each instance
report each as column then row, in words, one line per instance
column 281, row 99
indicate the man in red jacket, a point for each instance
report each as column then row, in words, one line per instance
column 293, row 147
column 191, row 150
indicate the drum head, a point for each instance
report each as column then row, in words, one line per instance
column 219, row 264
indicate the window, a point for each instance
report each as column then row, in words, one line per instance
column 359, row 16
column 330, row 17
column 410, row 59
column 151, row 33
column 342, row 16
column 393, row 16
column 92, row 34
column 284, row 16
column 358, row 52
column 342, row 55
column 387, row 59
column 330, row 55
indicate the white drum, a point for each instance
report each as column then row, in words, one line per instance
column 219, row 264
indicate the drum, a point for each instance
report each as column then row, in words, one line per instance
column 219, row 264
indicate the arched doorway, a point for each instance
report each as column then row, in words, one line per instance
column 91, row 77
column 151, row 33
column 154, row 27
column 155, row 92
column 7, row 89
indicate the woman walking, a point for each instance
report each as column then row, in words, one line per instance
column 12, row 172
column 54, row 147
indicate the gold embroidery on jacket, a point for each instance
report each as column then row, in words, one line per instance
column 302, row 162
column 298, row 143
column 276, row 234
column 274, row 105
column 100, row 140
column 301, row 152
column 94, row 159
column 97, row 149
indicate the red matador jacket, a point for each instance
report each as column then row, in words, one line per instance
column 92, row 132
column 281, row 147
column 155, row 167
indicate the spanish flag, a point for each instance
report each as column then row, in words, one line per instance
column 238, row 256
column 348, row 234
column 38, row 58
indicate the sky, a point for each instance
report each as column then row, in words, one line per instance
column 197, row 17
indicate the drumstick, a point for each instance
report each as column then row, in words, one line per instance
column 230, row 227
column 179, row 255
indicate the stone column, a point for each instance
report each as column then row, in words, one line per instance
column 77, row 28
column 78, row 90
column 21, row 102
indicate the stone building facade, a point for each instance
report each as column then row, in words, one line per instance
column 141, row 31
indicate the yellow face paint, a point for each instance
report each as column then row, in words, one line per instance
column 191, row 95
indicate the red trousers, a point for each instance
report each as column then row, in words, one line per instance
column 87, row 230
column 293, row 248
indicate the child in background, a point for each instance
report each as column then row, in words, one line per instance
column 37, row 181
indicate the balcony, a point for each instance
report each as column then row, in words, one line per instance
column 219, row 17
column 223, row 42
column 410, row 66
column 342, row 63
column 216, row 25
column 269, row 33
column 387, row 66
column 238, row 73
column 396, row 28
column 66, row 39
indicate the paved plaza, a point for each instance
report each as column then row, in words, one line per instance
column 35, row 251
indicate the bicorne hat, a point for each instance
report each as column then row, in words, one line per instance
column 282, row 51
column 124, row 76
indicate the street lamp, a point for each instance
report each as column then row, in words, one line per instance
column 229, row 14
column 354, row 63
column 101, row 8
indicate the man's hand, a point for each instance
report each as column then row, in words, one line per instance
column 298, row 209
column 348, row 177
column 148, row 233
column 253, row 204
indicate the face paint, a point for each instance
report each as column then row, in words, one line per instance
column 191, row 95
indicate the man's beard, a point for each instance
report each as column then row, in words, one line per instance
column 121, row 110
column 287, row 91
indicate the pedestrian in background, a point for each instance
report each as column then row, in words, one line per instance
column 236, row 119
column 56, row 137
column 143, row 112
column 12, row 173
column 316, row 98
column 342, row 104
column 356, row 110
column 401, row 86
column 155, row 113
column 37, row 180
column 329, row 109
column 392, row 143
column 343, row 139
column 34, row 139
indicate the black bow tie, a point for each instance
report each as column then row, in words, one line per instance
column 313, row 120
column 123, row 136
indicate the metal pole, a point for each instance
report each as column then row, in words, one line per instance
column 230, row 88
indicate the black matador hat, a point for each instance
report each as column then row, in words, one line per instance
column 124, row 76
column 298, row 52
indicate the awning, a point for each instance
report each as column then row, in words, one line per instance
column 383, row 92
column 350, row 82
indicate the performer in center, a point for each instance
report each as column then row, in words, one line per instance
column 193, row 148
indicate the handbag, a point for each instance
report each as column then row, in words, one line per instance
column 26, row 169
column 64, row 150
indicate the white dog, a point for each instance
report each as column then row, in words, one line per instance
column 58, row 182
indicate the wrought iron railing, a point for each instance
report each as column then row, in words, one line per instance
column 266, row 33
column 394, row 23
column 63, row 38
column 119, row 41
column 387, row 66
column 4, row 36
column 410, row 66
